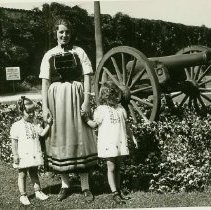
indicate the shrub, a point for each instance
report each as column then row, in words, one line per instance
column 8, row 115
column 32, row 80
column 185, row 154
column 173, row 154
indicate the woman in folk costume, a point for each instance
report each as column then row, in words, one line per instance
column 65, row 72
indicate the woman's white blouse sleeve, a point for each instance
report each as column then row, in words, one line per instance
column 85, row 62
column 14, row 131
column 45, row 67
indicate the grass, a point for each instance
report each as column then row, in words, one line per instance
column 9, row 196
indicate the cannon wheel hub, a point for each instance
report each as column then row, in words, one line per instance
column 138, row 83
column 195, row 90
column 190, row 87
column 125, row 93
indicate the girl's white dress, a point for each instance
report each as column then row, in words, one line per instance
column 112, row 136
column 29, row 148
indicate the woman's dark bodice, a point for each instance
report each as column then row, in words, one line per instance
column 65, row 67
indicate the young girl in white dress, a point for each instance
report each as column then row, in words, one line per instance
column 26, row 149
column 110, row 118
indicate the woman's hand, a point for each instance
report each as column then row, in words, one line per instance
column 85, row 116
column 85, row 107
column 47, row 114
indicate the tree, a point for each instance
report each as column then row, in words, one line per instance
column 124, row 29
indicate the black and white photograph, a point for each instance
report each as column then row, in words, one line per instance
column 105, row 104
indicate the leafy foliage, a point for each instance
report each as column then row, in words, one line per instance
column 8, row 115
column 173, row 155
column 26, row 35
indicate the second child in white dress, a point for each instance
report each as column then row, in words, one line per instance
column 26, row 149
column 110, row 118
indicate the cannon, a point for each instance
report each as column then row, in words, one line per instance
column 183, row 78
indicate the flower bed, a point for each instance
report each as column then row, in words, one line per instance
column 173, row 154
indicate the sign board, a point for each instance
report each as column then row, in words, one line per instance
column 13, row 73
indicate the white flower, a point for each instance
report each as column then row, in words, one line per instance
column 190, row 182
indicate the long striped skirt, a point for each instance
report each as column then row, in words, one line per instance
column 71, row 144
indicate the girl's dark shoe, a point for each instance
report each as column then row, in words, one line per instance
column 88, row 195
column 117, row 198
column 123, row 197
column 63, row 194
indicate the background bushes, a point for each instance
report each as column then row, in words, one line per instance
column 27, row 35
column 173, row 155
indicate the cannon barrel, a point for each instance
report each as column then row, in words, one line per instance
column 174, row 61
column 183, row 60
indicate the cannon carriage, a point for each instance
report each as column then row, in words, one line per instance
column 182, row 78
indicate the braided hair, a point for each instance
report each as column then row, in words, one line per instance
column 22, row 102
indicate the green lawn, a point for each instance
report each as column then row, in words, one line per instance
column 9, row 196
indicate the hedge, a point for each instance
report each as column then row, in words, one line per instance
column 24, row 44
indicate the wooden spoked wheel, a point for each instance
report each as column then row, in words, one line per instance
column 131, row 71
column 197, row 86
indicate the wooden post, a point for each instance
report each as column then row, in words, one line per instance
column 98, row 33
column 13, row 86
